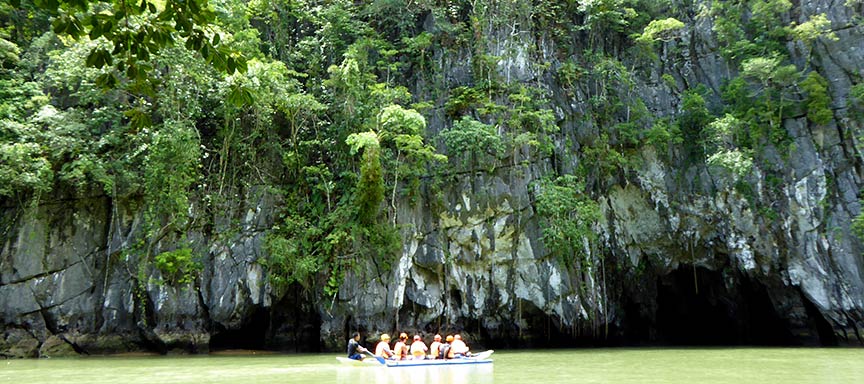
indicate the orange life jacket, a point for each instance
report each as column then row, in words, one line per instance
column 401, row 350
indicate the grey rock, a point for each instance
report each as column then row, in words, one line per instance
column 18, row 343
column 56, row 346
column 477, row 263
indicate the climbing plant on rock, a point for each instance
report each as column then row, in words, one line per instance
column 369, row 192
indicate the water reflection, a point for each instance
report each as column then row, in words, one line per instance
column 452, row 374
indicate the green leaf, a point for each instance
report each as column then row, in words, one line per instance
column 231, row 65
column 240, row 96
column 59, row 25
column 98, row 58
column 242, row 64
column 106, row 80
column 75, row 30
column 132, row 72
column 138, row 118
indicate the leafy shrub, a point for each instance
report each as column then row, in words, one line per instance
column 178, row 267
column 474, row 140
column 569, row 216
column 818, row 101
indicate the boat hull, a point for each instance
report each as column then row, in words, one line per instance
column 434, row 363
column 367, row 362
column 480, row 358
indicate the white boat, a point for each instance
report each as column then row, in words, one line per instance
column 479, row 358
column 367, row 362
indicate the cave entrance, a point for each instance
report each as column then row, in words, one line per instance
column 296, row 324
column 251, row 335
column 695, row 307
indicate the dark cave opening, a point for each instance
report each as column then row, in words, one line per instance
column 695, row 307
column 251, row 335
column 291, row 324
column 295, row 323
column 824, row 330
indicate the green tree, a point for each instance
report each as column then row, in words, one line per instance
column 403, row 127
column 370, row 188
column 811, row 30
column 660, row 30
column 569, row 217
column 775, row 82
column 135, row 32
column 473, row 141
column 818, row 102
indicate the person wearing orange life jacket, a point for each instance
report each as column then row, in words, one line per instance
column 383, row 347
column 401, row 347
column 458, row 348
column 444, row 349
column 418, row 348
column 434, row 348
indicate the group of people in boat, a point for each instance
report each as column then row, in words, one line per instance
column 452, row 347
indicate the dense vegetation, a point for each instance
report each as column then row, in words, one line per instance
column 182, row 108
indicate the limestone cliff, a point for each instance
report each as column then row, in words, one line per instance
column 684, row 254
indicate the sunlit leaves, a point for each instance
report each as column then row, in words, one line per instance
column 810, row 30
column 473, row 141
column 397, row 120
column 734, row 160
column 8, row 52
column 358, row 141
column 178, row 267
column 660, row 30
column 139, row 31
column 24, row 168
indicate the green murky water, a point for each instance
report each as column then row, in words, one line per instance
column 735, row 365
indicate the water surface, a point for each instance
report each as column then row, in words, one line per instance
column 732, row 365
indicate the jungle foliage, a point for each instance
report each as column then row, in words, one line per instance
column 186, row 107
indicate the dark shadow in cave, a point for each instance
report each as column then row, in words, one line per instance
column 532, row 328
column 694, row 307
column 296, row 323
column 252, row 335
column 823, row 328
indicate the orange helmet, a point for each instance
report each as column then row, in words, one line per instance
column 449, row 338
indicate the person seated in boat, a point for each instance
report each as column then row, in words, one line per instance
column 355, row 350
column 444, row 349
column 434, row 348
column 383, row 347
column 400, row 349
column 458, row 348
column 418, row 348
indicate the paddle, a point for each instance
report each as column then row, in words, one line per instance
column 379, row 358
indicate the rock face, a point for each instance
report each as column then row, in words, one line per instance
column 682, row 262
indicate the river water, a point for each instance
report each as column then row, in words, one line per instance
column 700, row 366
